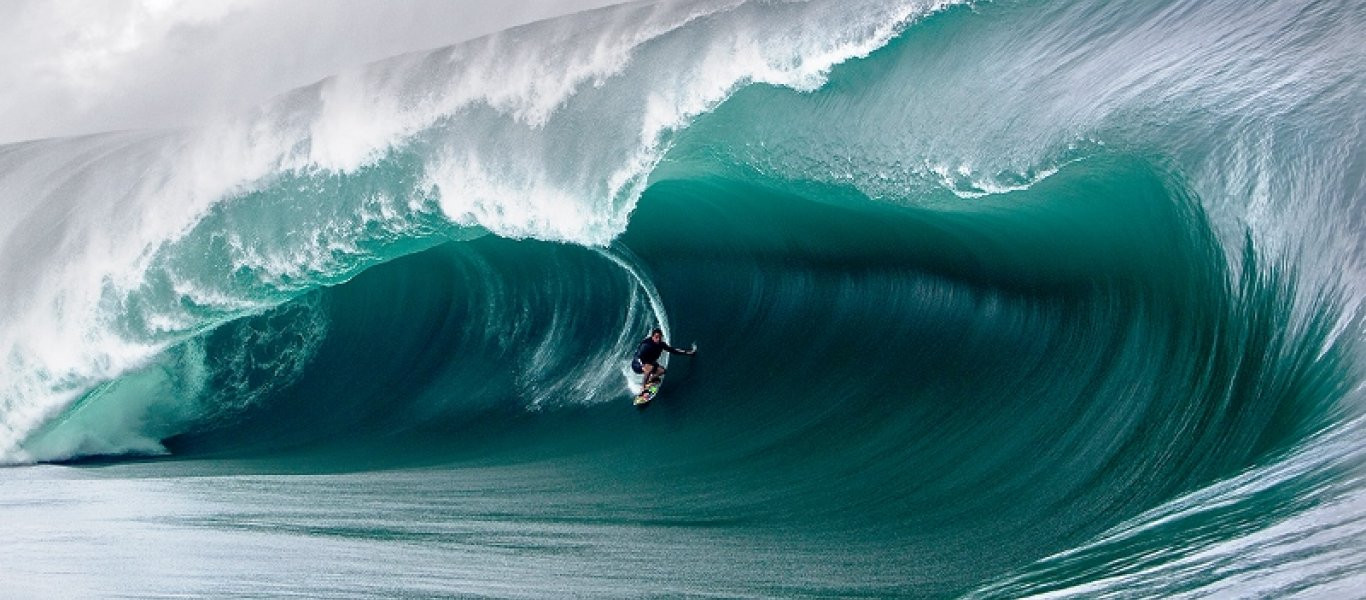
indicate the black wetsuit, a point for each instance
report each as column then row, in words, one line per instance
column 648, row 353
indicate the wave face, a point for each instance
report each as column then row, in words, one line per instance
column 1001, row 299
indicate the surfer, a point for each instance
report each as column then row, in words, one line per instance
column 647, row 357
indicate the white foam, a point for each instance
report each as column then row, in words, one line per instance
column 564, row 162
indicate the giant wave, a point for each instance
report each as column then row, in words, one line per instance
column 999, row 298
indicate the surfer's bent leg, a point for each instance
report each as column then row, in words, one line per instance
column 652, row 371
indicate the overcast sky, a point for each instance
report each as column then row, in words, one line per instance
column 81, row 66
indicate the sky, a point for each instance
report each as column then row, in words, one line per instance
column 71, row 67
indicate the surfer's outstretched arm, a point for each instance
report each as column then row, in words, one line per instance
column 673, row 350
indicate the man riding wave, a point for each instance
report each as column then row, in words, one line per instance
column 647, row 357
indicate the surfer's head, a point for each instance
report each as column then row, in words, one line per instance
column 657, row 334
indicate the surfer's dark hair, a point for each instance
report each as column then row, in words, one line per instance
column 657, row 330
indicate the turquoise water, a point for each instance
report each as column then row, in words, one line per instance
column 994, row 300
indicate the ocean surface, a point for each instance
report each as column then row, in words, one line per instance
column 993, row 300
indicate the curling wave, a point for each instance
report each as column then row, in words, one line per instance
column 1003, row 298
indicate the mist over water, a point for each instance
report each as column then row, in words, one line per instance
column 140, row 64
column 994, row 299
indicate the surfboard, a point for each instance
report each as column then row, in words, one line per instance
column 650, row 392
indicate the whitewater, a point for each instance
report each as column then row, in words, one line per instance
column 996, row 299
